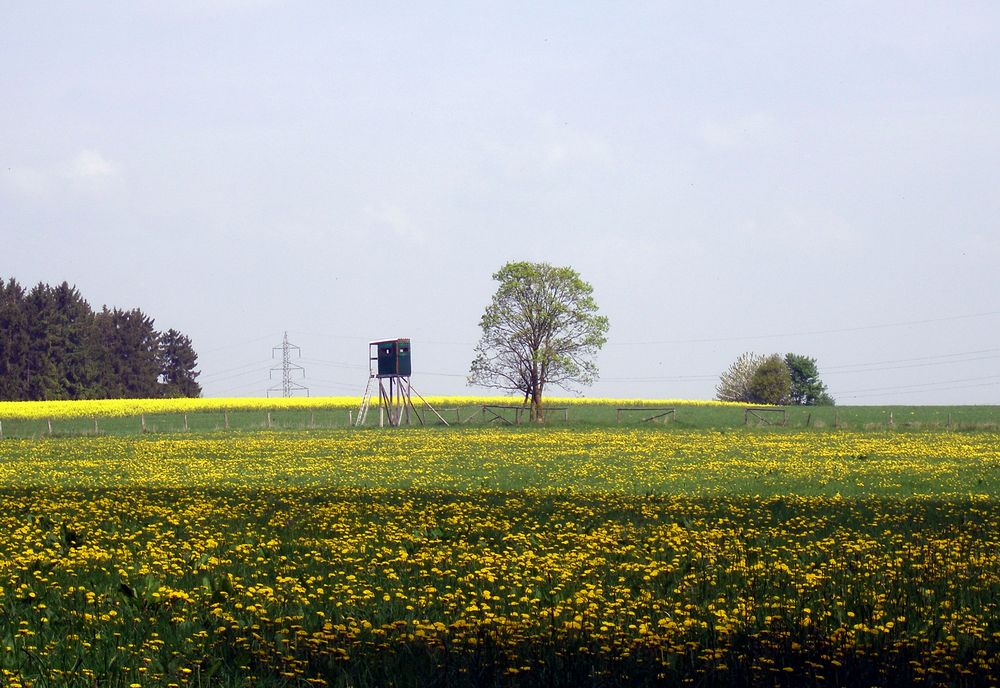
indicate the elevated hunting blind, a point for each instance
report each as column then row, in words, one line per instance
column 393, row 357
column 389, row 363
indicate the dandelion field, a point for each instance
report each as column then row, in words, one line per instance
column 494, row 556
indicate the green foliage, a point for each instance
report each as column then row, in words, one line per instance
column 54, row 346
column 541, row 328
column 14, row 341
column 807, row 388
column 177, row 363
column 771, row 382
column 745, row 381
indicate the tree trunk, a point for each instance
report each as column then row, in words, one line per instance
column 536, row 404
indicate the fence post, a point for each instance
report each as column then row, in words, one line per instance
column 350, row 418
column 142, row 420
column 225, row 416
column 185, row 422
column 1, row 429
column 50, row 427
column 268, row 420
column 95, row 425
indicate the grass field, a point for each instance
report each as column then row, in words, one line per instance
column 501, row 556
column 38, row 419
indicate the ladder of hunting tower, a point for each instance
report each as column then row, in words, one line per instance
column 366, row 401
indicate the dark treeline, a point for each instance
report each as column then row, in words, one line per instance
column 54, row 346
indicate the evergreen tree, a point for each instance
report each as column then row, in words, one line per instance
column 177, row 365
column 45, row 348
column 72, row 322
column 53, row 346
column 127, row 345
column 807, row 389
column 14, row 342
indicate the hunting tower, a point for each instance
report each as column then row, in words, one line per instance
column 389, row 363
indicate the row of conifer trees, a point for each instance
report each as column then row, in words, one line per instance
column 53, row 345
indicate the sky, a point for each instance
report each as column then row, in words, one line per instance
column 816, row 178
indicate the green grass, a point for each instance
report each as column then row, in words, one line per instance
column 690, row 417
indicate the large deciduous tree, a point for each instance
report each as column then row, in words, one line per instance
column 771, row 383
column 542, row 327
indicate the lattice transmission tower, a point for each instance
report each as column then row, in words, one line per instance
column 288, row 386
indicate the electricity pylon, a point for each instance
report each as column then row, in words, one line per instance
column 288, row 386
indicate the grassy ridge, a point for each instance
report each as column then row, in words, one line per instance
column 20, row 421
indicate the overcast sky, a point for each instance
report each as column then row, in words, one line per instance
column 821, row 178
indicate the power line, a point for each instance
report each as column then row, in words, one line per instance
column 256, row 371
column 255, row 383
column 256, row 365
column 235, row 344
column 841, row 369
column 331, row 383
column 909, row 366
column 933, row 360
column 859, row 328
column 917, row 386
column 355, row 366
column 335, row 364
column 664, row 378
column 920, row 359
column 917, row 391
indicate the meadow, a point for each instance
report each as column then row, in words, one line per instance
column 134, row 416
column 639, row 555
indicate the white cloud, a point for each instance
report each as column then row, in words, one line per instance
column 89, row 166
column 87, row 172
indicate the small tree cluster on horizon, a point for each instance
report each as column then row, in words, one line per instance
column 54, row 346
column 789, row 380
